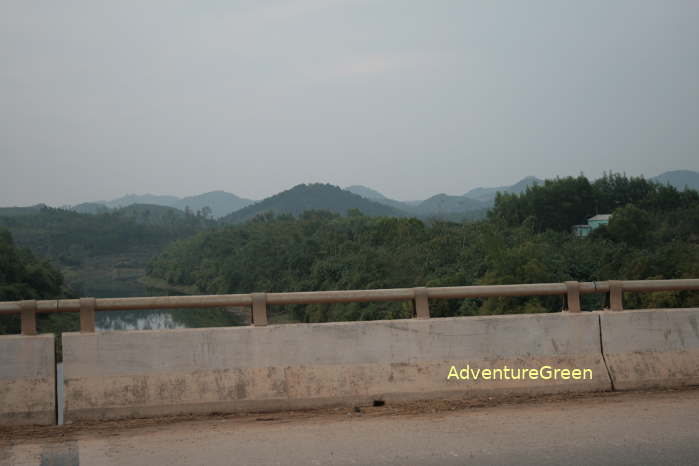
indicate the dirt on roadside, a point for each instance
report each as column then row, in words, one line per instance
column 83, row 429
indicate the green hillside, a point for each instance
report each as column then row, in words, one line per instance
column 213, row 204
column 440, row 206
column 487, row 195
column 448, row 207
column 151, row 214
column 23, row 275
column 105, row 253
column 306, row 197
column 220, row 203
column 680, row 179
column 154, row 199
column 654, row 233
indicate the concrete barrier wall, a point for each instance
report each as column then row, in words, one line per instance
column 651, row 348
column 151, row 373
column 27, row 380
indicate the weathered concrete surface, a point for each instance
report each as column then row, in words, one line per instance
column 152, row 373
column 651, row 348
column 27, row 380
column 623, row 428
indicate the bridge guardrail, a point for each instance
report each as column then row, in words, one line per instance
column 259, row 302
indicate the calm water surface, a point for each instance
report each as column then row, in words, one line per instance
column 151, row 319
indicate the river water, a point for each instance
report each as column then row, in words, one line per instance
column 152, row 319
column 138, row 320
column 131, row 320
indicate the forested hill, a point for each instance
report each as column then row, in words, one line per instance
column 680, row 179
column 448, row 207
column 25, row 276
column 470, row 206
column 69, row 236
column 654, row 233
column 220, row 203
column 376, row 196
column 487, row 195
column 356, row 243
column 155, row 214
column 558, row 204
column 101, row 254
column 316, row 196
column 215, row 203
column 440, row 206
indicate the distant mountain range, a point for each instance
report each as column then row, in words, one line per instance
column 367, row 193
column 487, row 195
column 443, row 205
column 139, row 199
column 376, row 196
column 680, row 179
column 90, row 208
column 474, row 204
column 221, row 203
column 149, row 213
column 233, row 209
column 140, row 213
column 440, row 206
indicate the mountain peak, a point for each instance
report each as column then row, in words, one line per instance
column 365, row 191
column 488, row 194
column 312, row 196
column 680, row 179
column 220, row 202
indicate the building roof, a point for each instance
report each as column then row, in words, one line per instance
column 600, row 217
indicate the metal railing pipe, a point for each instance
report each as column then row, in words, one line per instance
column 350, row 296
column 615, row 288
column 167, row 302
column 486, row 291
column 660, row 285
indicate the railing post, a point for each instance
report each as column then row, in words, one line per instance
column 616, row 295
column 573, row 296
column 421, row 304
column 28, row 316
column 87, row 315
column 259, row 309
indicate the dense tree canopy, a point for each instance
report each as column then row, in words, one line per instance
column 558, row 204
column 24, row 276
column 653, row 233
column 70, row 237
column 527, row 239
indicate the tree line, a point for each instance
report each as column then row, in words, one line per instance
column 71, row 237
column 526, row 238
column 653, row 233
column 23, row 275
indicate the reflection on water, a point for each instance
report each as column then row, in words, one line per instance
column 136, row 320
column 153, row 319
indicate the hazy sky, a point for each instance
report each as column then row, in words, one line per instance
column 99, row 99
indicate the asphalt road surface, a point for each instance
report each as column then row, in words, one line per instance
column 655, row 428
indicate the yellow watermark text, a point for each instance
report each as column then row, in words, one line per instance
column 509, row 373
